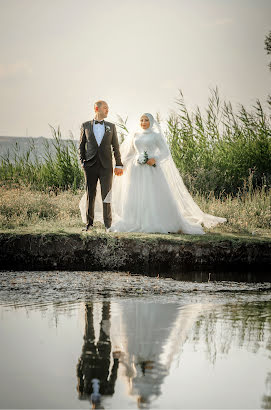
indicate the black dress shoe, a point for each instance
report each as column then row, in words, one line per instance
column 88, row 227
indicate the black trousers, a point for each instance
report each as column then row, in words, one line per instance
column 93, row 173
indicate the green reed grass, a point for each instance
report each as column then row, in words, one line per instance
column 58, row 169
column 218, row 151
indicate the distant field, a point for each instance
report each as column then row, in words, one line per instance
column 10, row 146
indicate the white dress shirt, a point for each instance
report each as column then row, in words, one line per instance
column 99, row 130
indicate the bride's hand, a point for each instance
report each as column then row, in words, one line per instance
column 118, row 171
column 151, row 162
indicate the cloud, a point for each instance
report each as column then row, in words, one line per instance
column 12, row 70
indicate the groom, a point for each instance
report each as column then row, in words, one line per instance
column 96, row 138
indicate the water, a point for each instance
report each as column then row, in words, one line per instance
column 150, row 342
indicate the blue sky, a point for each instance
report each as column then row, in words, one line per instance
column 59, row 56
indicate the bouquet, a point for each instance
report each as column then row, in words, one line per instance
column 143, row 159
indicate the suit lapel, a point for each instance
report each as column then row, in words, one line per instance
column 92, row 132
column 105, row 133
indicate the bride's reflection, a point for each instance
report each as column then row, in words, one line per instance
column 150, row 335
column 96, row 377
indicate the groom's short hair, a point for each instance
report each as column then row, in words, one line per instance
column 99, row 103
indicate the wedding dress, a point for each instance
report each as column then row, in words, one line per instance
column 152, row 199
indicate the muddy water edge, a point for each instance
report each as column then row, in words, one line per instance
column 172, row 256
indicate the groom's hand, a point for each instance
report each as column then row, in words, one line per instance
column 118, row 172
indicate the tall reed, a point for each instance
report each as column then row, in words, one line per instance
column 218, row 151
column 57, row 169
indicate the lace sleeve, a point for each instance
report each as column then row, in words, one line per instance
column 163, row 150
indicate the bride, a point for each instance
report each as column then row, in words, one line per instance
column 150, row 196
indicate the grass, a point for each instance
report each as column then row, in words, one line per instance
column 215, row 151
column 219, row 149
column 57, row 169
column 23, row 210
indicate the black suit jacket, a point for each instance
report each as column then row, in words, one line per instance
column 89, row 150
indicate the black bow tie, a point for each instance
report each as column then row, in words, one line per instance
column 99, row 122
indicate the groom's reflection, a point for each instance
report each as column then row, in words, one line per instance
column 93, row 368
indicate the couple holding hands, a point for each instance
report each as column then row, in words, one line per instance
column 146, row 193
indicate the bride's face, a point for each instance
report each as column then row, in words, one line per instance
column 144, row 122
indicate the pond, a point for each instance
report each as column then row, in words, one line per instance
column 116, row 341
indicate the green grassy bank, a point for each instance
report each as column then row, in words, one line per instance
column 23, row 210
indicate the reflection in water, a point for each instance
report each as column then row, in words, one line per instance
column 145, row 338
column 242, row 324
column 145, row 330
column 95, row 378
column 246, row 325
column 189, row 351
column 152, row 335
column 266, row 400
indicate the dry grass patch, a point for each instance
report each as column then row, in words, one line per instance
column 24, row 210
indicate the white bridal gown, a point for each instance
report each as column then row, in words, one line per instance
column 153, row 199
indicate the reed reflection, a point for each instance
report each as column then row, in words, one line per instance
column 246, row 325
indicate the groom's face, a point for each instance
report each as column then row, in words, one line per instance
column 103, row 110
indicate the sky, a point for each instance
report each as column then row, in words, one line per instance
column 59, row 56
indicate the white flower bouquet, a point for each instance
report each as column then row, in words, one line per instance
column 143, row 159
